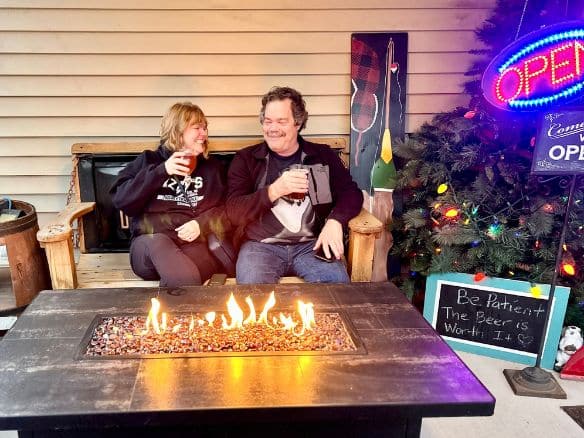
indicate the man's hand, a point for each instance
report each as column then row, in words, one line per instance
column 331, row 239
column 189, row 231
column 291, row 181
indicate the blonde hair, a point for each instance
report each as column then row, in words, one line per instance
column 176, row 120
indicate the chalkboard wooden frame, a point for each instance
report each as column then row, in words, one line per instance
column 514, row 288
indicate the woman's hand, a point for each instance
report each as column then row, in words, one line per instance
column 177, row 164
column 189, row 231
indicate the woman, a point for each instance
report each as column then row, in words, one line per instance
column 174, row 196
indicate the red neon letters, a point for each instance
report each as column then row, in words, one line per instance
column 537, row 75
column 542, row 69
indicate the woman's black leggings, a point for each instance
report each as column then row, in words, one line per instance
column 157, row 256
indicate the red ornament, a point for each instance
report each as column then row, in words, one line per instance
column 479, row 276
column 470, row 114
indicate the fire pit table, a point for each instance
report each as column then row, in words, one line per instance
column 67, row 368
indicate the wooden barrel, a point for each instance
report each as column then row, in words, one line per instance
column 29, row 270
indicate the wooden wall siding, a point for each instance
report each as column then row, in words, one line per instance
column 105, row 70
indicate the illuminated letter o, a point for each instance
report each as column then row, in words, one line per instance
column 559, row 148
column 519, row 86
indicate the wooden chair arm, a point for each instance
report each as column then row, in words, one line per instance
column 55, row 238
column 363, row 230
column 365, row 223
column 60, row 228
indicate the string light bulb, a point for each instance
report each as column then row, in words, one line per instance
column 568, row 268
column 535, row 290
column 452, row 212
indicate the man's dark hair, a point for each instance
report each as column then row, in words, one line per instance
column 298, row 104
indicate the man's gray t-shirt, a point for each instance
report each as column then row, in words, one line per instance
column 288, row 221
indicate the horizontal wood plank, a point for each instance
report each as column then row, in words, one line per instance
column 233, row 42
column 22, row 184
column 154, row 106
column 149, row 126
column 214, row 85
column 61, row 146
column 243, row 20
column 219, row 145
column 52, row 146
column 249, row 4
column 212, row 106
column 235, row 64
column 414, row 121
column 49, row 203
column 256, row 85
column 219, row 126
column 35, row 166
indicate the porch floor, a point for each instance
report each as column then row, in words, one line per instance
column 517, row 417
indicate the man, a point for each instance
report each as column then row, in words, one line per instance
column 289, row 198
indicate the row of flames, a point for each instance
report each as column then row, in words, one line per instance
column 285, row 322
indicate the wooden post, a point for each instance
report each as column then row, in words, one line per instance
column 381, row 206
column 61, row 264
column 365, row 228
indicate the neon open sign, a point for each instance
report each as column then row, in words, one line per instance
column 542, row 69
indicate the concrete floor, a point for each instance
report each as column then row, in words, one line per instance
column 515, row 417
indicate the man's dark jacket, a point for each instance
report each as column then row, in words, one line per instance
column 246, row 201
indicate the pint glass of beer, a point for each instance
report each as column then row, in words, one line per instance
column 298, row 168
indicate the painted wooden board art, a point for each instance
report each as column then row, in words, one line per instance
column 378, row 102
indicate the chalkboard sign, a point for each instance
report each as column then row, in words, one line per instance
column 495, row 317
column 559, row 143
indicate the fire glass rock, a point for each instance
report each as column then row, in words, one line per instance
column 126, row 335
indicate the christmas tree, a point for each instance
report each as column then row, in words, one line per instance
column 469, row 201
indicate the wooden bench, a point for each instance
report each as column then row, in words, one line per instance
column 104, row 268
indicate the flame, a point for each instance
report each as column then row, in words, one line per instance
column 235, row 313
column 153, row 316
column 306, row 312
column 163, row 323
column 269, row 304
column 287, row 322
column 251, row 319
column 210, row 317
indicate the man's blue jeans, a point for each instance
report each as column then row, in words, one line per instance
column 266, row 262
